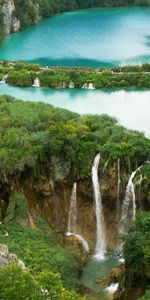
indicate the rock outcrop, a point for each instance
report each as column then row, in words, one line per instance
column 11, row 23
column 7, row 258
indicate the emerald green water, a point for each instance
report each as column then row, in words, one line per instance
column 104, row 36
column 95, row 270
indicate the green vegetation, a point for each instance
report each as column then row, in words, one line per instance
column 137, row 254
column 41, row 250
column 19, row 284
column 34, row 135
column 50, row 267
column 39, row 247
column 22, row 74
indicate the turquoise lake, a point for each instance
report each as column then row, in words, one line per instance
column 130, row 107
column 95, row 37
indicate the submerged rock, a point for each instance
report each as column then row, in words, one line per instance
column 116, row 274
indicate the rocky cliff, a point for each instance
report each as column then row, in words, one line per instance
column 7, row 258
column 11, row 23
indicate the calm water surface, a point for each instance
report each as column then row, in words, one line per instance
column 105, row 36
column 130, row 107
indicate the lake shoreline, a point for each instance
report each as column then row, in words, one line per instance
column 77, row 9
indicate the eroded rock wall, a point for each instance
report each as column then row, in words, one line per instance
column 11, row 23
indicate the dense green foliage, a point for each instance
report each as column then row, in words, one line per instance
column 19, row 284
column 40, row 248
column 33, row 134
column 22, row 74
column 44, row 254
column 137, row 253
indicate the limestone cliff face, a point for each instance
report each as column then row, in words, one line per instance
column 7, row 258
column 11, row 23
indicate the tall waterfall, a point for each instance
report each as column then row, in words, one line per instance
column 129, row 204
column 100, row 247
column 72, row 221
column 118, row 188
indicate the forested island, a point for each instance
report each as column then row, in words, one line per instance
column 17, row 15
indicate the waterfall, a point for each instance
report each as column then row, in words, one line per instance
column 129, row 214
column 36, row 82
column 112, row 288
column 71, row 85
column 72, row 221
column 100, row 247
column 73, row 210
column 84, row 243
column 2, row 81
column 118, row 188
column 105, row 166
column 140, row 182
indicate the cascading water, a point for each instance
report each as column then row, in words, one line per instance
column 140, row 182
column 36, row 82
column 105, row 166
column 118, row 188
column 129, row 204
column 100, row 247
column 73, row 210
column 72, row 221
